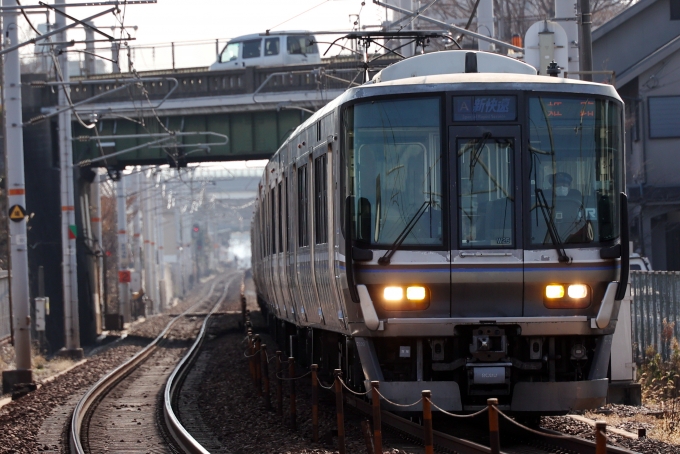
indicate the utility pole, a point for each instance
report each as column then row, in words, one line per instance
column 148, row 248
column 16, row 192
column 95, row 208
column 586, row 57
column 68, row 215
column 123, row 272
column 162, row 294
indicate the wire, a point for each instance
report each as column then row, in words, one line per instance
column 298, row 15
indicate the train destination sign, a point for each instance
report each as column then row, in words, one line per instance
column 484, row 108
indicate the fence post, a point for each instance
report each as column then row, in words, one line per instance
column 279, row 384
column 257, row 362
column 251, row 365
column 428, row 438
column 243, row 310
column 600, row 437
column 494, row 438
column 377, row 422
column 315, row 404
column 341, row 414
column 264, row 366
column 291, row 378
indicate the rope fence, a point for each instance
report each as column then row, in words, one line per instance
column 260, row 376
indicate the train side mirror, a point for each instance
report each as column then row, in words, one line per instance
column 364, row 219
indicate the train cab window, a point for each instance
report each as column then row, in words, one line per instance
column 230, row 52
column 251, row 48
column 576, row 176
column 303, row 207
column 320, row 200
column 301, row 45
column 485, row 192
column 271, row 46
column 393, row 157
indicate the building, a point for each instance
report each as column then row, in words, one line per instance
column 642, row 48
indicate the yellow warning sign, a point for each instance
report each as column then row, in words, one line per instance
column 17, row 213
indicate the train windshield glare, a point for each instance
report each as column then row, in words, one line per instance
column 575, row 150
column 394, row 158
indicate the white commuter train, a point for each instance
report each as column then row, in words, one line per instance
column 456, row 224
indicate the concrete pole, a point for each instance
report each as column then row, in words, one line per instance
column 96, row 233
column 90, row 69
column 160, row 254
column 137, row 224
column 566, row 9
column 148, row 250
column 16, row 192
column 180, row 250
column 123, row 287
column 586, row 40
column 68, row 219
column 485, row 24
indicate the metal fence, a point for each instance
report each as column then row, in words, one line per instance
column 655, row 310
column 5, row 325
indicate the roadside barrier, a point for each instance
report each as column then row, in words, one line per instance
column 256, row 353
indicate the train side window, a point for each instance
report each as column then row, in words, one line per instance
column 272, row 217
column 303, row 239
column 320, row 202
column 287, row 219
column 279, row 227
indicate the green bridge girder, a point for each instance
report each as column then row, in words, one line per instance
column 251, row 135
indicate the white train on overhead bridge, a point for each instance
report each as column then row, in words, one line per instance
column 457, row 224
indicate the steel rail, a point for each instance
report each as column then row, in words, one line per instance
column 172, row 387
column 106, row 383
column 462, row 446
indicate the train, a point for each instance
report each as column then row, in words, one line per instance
column 456, row 224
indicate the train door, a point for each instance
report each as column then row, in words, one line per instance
column 487, row 270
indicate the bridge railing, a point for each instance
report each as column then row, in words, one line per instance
column 334, row 74
column 655, row 310
column 5, row 324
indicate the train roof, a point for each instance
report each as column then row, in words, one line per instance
column 446, row 71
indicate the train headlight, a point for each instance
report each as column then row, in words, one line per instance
column 554, row 291
column 393, row 293
column 416, row 293
column 577, row 291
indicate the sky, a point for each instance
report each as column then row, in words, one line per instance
column 184, row 21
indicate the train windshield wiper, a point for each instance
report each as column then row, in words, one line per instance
column 552, row 228
column 385, row 259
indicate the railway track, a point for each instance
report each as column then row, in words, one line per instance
column 131, row 408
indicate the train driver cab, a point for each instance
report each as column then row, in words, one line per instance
column 290, row 48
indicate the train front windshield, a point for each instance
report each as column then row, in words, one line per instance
column 394, row 156
column 575, row 152
column 570, row 155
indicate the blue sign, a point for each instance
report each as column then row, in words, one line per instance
column 484, row 108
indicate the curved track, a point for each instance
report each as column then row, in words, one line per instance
column 129, row 410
